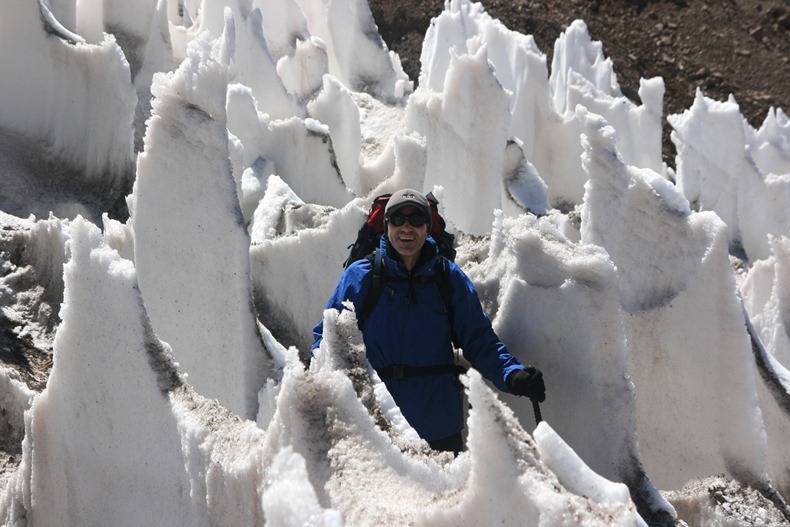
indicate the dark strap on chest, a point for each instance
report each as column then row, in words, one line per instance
column 376, row 286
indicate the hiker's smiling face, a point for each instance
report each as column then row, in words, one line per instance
column 407, row 239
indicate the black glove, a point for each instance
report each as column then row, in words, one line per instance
column 527, row 382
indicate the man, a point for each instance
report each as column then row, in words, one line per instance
column 408, row 334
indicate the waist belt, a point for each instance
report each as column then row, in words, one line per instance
column 401, row 371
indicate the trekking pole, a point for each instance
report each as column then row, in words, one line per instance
column 536, row 410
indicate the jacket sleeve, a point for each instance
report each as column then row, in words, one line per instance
column 353, row 285
column 476, row 336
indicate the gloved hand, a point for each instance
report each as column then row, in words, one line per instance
column 527, row 382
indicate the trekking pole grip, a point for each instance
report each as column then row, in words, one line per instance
column 536, row 410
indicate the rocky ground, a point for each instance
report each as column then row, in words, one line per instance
column 723, row 47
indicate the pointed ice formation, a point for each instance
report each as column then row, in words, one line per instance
column 576, row 54
column 358, row 56
column 750, row 200
column 541, row 108
column 83, row 446
column 190, row 244
column 85, row 121
column 541, row 280
column 767, row 304
column 695, row 385
column 502, row 455
column 466, row 131
column 289, row 233
column 770, row 145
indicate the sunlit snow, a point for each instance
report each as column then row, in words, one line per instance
column 180, row 184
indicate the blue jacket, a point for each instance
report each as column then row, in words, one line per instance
column 409, row 326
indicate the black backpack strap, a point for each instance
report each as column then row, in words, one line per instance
column 441, row 279
column 376, row 286
column 442, row 283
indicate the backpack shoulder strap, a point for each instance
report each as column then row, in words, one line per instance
column 445, row 289
column 376, row 286
column 441, row 279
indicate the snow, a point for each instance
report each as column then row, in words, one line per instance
column 181, row 182
column 82, row 119
column 188, row 174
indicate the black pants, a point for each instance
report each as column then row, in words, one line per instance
column 454, row 444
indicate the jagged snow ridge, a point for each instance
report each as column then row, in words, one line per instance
column 253, row 168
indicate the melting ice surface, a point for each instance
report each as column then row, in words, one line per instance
column 180, row 181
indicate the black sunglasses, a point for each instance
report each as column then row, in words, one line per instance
column 415, row 219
